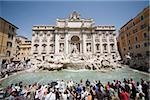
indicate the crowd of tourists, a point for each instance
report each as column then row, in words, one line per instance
column 127, row 89
column 8, row 68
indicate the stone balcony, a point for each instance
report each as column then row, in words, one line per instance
column 43, row 52
column 51, row 52
column 113, row 51
column 105, row 51
column 35, row 52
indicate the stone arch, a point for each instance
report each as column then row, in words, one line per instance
column 75, row 38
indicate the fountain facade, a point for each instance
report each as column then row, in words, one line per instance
column 74, row 39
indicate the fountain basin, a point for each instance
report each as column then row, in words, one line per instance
column 45, row 77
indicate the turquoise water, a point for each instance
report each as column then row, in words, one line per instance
column 46, row 76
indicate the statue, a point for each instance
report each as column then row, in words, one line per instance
column 75, row 16
column 75, row 49
column 61, row 48
column 89, row 48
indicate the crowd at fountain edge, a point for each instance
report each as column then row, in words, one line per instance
column 127, row 89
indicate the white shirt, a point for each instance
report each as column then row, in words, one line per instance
column 50, row 96
column 64, row 96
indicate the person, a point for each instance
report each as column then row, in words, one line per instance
column 57, row 94
column 99, row 94
column 89, row 97
column 84, row 94
column 87, row 82
column 78, row 89
column 124, row 95
column 51, row 95
column 65, row 96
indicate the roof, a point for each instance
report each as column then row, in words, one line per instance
column 9, row 22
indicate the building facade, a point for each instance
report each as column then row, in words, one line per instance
column 7, row 40
column 23, row 48
column 72, row 38
column 134, row 37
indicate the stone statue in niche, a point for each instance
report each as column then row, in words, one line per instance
column 75, row 49
column 61, row 48
column 89, row 48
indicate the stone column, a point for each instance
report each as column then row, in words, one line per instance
column 93, row 44
column 84, row 43
column 115, row 43
column 56, row 43
column 66, row 43
column 108, row 44
column 101, row 44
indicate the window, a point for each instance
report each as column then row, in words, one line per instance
column 9, row 44
column 89, row 36
column 136, row 38
column 9, row 27
column 129, row 48
column 133, row 24
column 134, row 31
column 12, row 37
column 113, row 57
column 43, row 57
column 41, row 34
column 112, row 46
column 48, row 34
column 13, row 29
column 147, row 53
column 62, row 36
column 137, row 46
column 129, row 41
column 124, row 49
column 9, row 35
column 143, row 26
column 127, row 34
column 142, row 17
column 45, row 34
column 36, row 47
column 105, row 46
column 51, row 47
column 104, row 35
column 37, row 33
column 97, row 47
column 145, row 44
column 145, row 35
column 33, row 34
column 44, row 46
column 8, row 53
column 97, row 36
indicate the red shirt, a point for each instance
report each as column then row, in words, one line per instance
column 124, row 96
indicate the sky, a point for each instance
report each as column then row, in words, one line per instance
column 25, row 14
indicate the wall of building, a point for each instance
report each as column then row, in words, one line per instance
column 7, row 39
column 23, row 49
column 134, row 36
